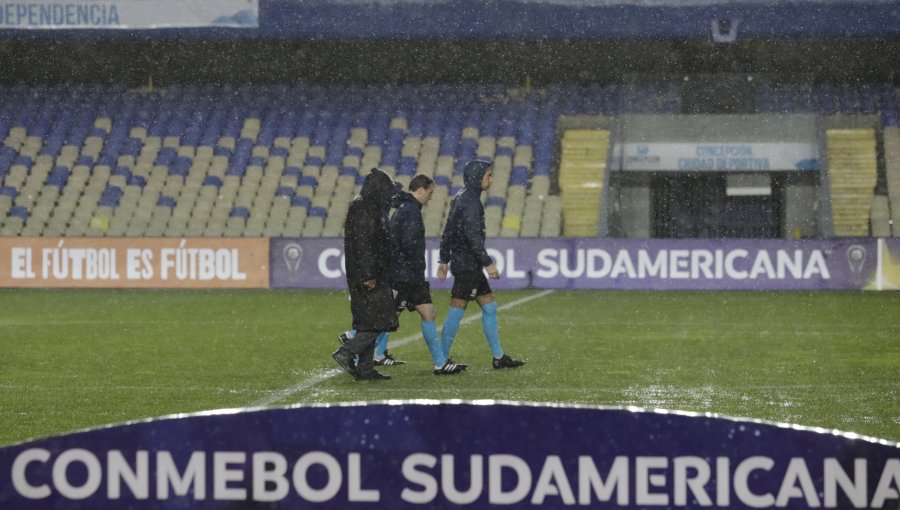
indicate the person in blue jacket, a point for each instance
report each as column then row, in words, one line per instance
column 411, row 288
column 462, row 248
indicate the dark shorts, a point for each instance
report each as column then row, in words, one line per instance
column 410, row 295
column 470, row 285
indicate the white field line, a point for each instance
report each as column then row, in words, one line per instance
column 328, row 374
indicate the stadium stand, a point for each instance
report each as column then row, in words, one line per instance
column 267, row 160
column 284, row 160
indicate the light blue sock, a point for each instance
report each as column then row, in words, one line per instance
column 491, row 330
column 429, row 331
column 381, row 344
column 451, row 325
column 351, row 335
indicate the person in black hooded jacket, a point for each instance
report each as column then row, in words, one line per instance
column 462, row 248
column 367, row 254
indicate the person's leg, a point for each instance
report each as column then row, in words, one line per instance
column 354, row 348
column 381, row 345
column 451, row 324
column 366, row 362
column 485, row 298
column 430, row 333
column 489, row 323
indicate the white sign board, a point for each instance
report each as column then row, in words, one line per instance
column 128, row 14
column 718, row 157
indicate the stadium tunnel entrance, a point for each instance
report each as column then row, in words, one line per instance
column 714, row 176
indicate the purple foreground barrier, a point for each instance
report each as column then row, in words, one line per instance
column 430, row 454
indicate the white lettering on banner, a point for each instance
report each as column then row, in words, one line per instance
column 328, row 267
column 505, row 479
column 127, row 14
column 765, row 156
column 62, row 263
column 137, row 479
column 20, row 260
column 506, row 263
column 201, row 264
column 139, row 264
column 34, row 14
column 331, row 263
column 695, row 264
column 194, row 476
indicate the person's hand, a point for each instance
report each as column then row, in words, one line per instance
column 493, row 272
column 442, row 271
column 370, row 284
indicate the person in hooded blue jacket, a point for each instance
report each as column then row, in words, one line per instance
column 463, row 250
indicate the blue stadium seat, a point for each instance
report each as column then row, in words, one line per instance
column 318, row 212
column 301, row 201
column 58, row 177
column 239, row 212
column 19, row 211
column 180, row 167
column 212, row 180
column 110, row 197
column 137, row 180
column 519, row 176
column 167, row 201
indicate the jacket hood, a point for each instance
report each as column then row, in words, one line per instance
column 378, row 187
column 474, row 173
column 402, row 197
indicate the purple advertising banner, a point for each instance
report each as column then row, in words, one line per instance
column 436, row 455
column 626, row 264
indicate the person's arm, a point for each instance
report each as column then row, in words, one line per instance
column 476, row 242
column 362, row 243
column 407, row 228
column 445, row 251
column 474, row 237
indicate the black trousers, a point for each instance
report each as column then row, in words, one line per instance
column 363, row 345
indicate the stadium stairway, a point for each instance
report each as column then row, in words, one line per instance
column 852, row 168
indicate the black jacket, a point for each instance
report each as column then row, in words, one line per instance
column 408, row 240
column 367, row 254
column 462, row 244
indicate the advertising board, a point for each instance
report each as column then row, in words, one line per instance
column 431, row 454
column 623, row 264
column 134, row 262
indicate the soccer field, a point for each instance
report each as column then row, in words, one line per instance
column 73, row 359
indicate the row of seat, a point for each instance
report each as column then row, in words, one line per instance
column 280, row 160
column 134, row 175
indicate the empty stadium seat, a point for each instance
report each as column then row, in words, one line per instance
column 287, row 159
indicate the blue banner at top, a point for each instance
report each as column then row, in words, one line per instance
column 127, row 14
column 720, row 20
